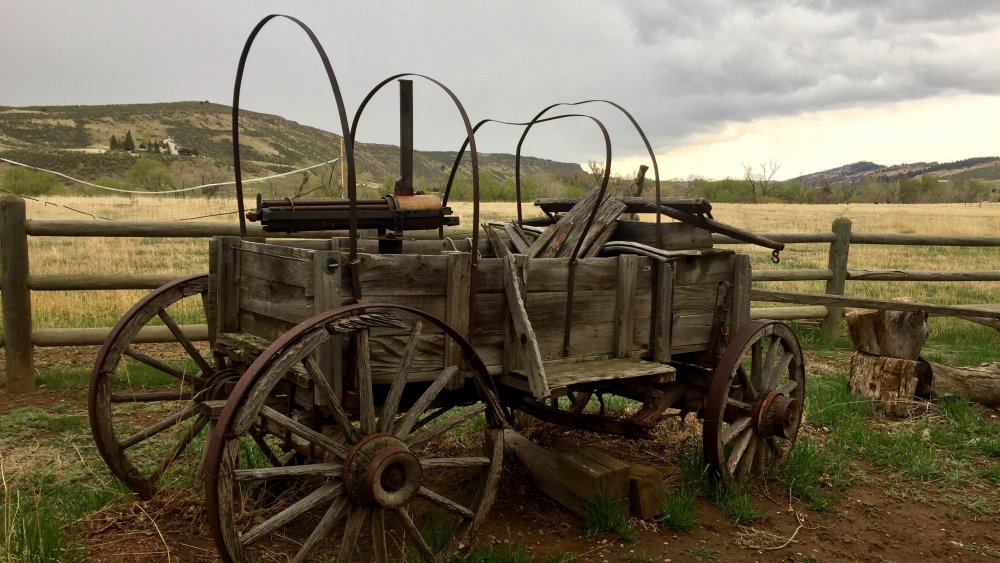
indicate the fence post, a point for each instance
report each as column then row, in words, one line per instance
column 839, row 249
column 19, row 355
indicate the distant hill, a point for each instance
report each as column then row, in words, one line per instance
column 979, row 168
column 75, row 140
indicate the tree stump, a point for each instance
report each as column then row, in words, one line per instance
column 890, row 381
column 896, row 334
column 884, row 366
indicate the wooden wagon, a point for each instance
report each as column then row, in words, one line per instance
column 358, row 390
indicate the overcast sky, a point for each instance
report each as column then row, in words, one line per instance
column 810, row 84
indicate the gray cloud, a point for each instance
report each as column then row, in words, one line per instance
column 680, row 66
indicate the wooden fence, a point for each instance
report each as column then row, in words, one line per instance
column 16, row 282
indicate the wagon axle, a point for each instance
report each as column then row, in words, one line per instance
column 381, row 471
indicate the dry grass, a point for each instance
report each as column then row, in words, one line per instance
column 181, row 256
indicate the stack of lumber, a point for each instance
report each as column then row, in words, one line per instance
column 561, row 239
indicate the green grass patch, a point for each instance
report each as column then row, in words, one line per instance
column 606, row 514
column 814, row 476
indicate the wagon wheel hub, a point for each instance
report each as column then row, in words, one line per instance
column 776, row 414
column 381, row 471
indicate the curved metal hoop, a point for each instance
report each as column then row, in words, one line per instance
column 341, row 110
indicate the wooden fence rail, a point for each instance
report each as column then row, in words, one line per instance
column 16, row 283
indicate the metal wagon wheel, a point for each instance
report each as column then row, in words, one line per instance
column 368, row 475
column 754, row 405
column 145, row 399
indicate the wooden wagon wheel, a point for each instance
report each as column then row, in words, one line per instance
column 754, row 405
column 377, row 471
column 145, row 399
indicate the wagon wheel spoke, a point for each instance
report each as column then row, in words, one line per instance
column 788, row 387
column 351, row 532
column 747, row 457
column 285, row 471
column 179, row 447
column 152, row 396
column 757, row 363
column 427, row 434
column 160, row 425
column 391, row 406
column 741, row 405
column 323, row 529
column 441, row 462
column 184, row 341
column 415, row 535
column 378, row 535
column 258, row 439
column 325, row 493
column 768, row 371
column 446, row 503
column 734, row 429
column 158, row 364
column 736, row 454
column 780, row 368
column 331, row 399
column 364, row 373
column 303, row 431
column 404, row 426
column 748, row 384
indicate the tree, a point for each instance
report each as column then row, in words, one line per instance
column 129, row 143
column 760, row 181
column 28, row 182
column 114, row 144
column 150, row 175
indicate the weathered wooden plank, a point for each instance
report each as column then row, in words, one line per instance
column 517, row 237
column 551, row 241
column 709, row 269
column 689, row 330
column 600, row 230
column 327, row 296
column 500, row 247
column 265, row 327
column 691, row 299
column 457, row 312
column 513, row 358
column 227, row 285
column 561, row 375
column 623, row 312
column 546, row 472
column 292, row 271
column 662, row 324
column 522, row 327
column 923, row 275
column 273, row 305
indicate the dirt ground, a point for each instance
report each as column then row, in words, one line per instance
column 874, row 521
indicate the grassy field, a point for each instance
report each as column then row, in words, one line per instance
column 181, row 256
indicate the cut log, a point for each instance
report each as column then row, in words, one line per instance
column 891, row 382
column 977, row 384
column 895, row 334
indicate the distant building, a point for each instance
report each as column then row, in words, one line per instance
column 170, row 146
